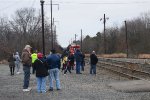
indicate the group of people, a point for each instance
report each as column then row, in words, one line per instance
column 69, row 60
column 50, row 65
column 43, row 67
column 14, row 61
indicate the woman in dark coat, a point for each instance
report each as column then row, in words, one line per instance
column 41, row 69
column 11, row 61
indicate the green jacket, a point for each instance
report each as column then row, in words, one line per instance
column 34, row 57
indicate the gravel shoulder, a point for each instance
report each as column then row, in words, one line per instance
column 74, row 87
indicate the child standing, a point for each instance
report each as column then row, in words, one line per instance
column 41, row 69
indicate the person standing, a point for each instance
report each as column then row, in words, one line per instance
column 11, row 61
column 41, row 70
column 54, row 64
column 78, row 58
column 83, row 62
column 34, row 57
column 64, row 62
column 26, row 61
column 68, row 67
column 71, row 59
column 93, row 62
column 17, row 62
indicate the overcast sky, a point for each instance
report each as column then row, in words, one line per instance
column 74, row 15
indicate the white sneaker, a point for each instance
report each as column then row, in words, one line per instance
column 18, row 72
column 29, row 88
column 26, row 90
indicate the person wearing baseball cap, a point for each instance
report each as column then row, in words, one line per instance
column 26, row 61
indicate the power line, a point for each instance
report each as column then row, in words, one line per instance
column 103, row 3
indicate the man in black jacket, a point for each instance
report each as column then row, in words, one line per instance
column 93, row 62
column 78, row 58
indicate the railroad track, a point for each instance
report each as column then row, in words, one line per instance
column 127, row 68
column 130, row 69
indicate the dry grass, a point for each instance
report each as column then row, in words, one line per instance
column 144, row 56
column 115, row 55
column 122, row 55
column 3, row 62
column 118, row 55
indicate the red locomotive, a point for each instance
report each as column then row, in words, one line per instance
column 73, row 47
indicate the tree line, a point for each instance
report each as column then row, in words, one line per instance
column 138, row 35
column 24, row 27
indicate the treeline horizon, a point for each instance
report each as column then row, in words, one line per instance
column 138, row 36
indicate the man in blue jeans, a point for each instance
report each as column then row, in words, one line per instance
column 78, row 58
column 26, row 61
column 93, row 62
column 54, row 64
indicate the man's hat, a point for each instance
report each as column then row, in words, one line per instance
column 27, row 46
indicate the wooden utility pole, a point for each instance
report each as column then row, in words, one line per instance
column 42, row 13
column 105, row 34
column 81, row 40
column 51, row 3
column 52, row 24
column 104, row 21
column 76, row 39
column 126, row 30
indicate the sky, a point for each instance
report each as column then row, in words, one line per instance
column 74, row 15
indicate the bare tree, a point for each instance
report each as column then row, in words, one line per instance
column 24, row 28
